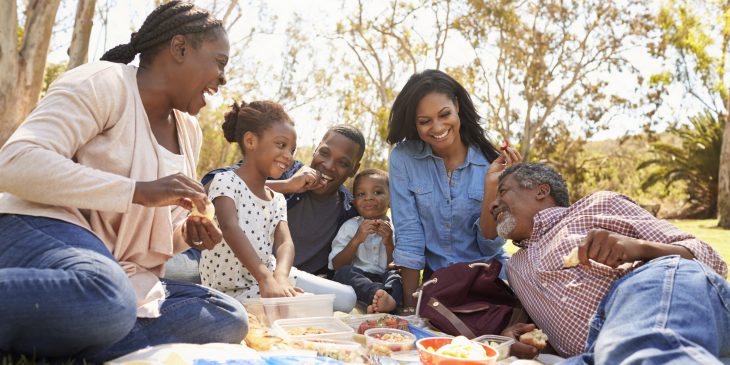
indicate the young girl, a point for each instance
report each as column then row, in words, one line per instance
column 257, row 252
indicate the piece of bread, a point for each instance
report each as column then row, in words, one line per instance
column 572, row 259
column 535, row 338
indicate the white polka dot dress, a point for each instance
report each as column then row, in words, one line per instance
column 258, row 218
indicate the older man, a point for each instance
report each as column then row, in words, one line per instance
column 644, row 291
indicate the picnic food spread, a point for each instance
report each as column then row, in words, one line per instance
column 369, row 339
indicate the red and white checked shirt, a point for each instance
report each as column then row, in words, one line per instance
column 561, row 301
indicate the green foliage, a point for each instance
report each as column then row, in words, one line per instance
column 695, row 30
column 53, row 70
column 695, row 163
column 540, row 63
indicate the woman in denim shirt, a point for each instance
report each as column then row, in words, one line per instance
column 443, row 176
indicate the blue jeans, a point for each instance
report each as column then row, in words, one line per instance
column 669, row 311
column 62, row 295
column 184, row 266
column 366, row 284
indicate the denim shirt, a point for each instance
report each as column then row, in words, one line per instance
column 437, row 224
column 348, row 211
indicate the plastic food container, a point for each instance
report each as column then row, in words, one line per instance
column 268, row 310
column 427, row 348
column 500, row 343
column 386, row 341
column 299, row 329
column 363, row 323
column 346, row 351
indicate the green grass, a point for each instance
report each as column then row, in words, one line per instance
column 704, row 229
column 707, row 231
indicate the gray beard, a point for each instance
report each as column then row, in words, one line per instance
column 508, row 223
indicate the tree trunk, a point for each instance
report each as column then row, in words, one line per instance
column 22, row 76
column 723, row 182
column 79, row 48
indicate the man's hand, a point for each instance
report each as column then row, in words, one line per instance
column 519, row 349
column 609, row 248
column 507, row 157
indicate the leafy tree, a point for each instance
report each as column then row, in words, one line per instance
column 387, row 49
column 538, row 63
column 695, row 36
column 696, row 163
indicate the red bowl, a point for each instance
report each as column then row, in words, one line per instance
column 432, row 358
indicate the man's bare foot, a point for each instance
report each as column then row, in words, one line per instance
column 382, row 302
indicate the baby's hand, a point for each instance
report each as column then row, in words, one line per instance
column 367, row 227
column 385, row 230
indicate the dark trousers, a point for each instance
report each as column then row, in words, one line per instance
column 366, row 283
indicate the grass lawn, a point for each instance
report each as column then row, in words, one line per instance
column 704, row 229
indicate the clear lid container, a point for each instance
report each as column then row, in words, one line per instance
column 386, row 341
column 500, row 343
column 298, row 329
column 268, row 310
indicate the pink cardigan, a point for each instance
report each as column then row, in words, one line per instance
column 76, row 158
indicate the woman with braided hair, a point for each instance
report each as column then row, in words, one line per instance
column 94, row 198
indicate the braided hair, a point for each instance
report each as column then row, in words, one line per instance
column 168, row 20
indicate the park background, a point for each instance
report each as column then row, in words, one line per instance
column 623, row 95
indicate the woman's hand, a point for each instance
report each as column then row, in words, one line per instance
column 175, row 189
column 201, row 233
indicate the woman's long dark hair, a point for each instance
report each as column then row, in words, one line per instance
column 168, row 20
column 402, row 119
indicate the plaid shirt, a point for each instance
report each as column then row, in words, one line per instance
column 561, row 301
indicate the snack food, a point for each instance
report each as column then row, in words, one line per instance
column 505, row 145
column 259, row 338
column 345, row 351
column 209, row 211
column 386, row 341
column 462, row 348
column 301, row 331
column 383, row 322
column 572, row 259
column 535, row 338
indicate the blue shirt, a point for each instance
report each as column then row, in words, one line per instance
column 436, row 223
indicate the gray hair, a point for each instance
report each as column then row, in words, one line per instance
column 530, row 175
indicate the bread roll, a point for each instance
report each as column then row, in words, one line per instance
column 572, row 259
column 535, row 338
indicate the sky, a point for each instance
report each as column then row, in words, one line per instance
column 269, row 41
